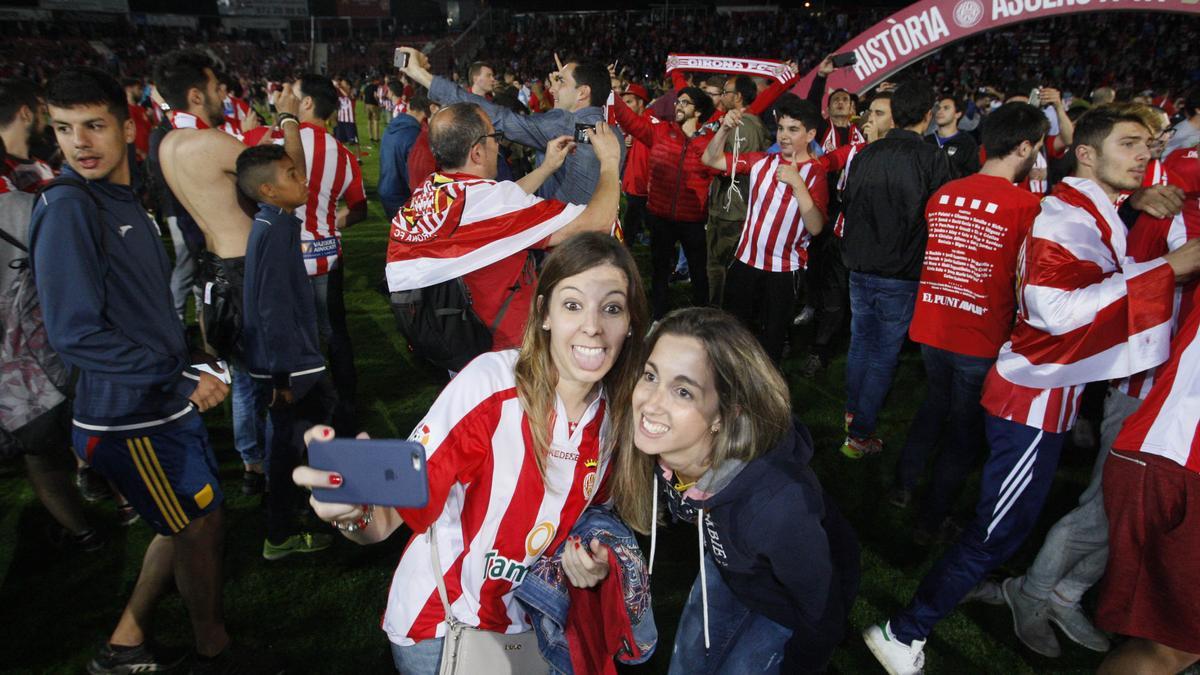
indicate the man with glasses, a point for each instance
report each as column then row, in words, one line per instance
column 679, row 183
column 726, row 202
column 463, row 208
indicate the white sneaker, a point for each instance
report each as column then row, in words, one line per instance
column 896, row 657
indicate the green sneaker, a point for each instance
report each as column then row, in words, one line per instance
column 305, row 542
column 857, row 448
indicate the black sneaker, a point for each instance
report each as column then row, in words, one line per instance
column 238, row 660
column 147, row 657
column 91, row 485
column 253, row 483
column 88, row 541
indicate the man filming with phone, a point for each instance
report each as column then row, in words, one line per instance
column 580, row 90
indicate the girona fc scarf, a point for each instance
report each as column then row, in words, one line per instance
column 776, row 70
column 1087, row 312
column 831, row 140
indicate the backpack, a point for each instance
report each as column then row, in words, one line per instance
column 33, row 379
column 440, row 324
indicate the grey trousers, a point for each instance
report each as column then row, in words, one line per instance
column 1075, row 553
column 184, row 271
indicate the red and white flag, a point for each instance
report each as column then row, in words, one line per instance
column 455, row 224
column 1087, row 311
column 1168, row 422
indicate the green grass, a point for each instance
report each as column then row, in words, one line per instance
column 322, row 612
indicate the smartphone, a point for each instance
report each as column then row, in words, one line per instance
column 400, row 58
column 382, row 472
column 581, row 133
column 843, row 60
column 1035, row 97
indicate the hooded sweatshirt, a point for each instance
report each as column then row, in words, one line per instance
column 780, row 543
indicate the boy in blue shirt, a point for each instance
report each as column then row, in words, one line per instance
column 279, row 333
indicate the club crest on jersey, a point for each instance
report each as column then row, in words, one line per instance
column 496, row 566
column 591, row 479
column 539, row 538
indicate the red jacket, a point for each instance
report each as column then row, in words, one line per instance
column 637, row 165
column 678, row 186
column 420, row 159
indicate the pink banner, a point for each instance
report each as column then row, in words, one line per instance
column 927, row 26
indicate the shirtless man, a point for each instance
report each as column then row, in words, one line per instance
column 199, row 165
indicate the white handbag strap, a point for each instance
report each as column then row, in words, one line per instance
column 437, row 574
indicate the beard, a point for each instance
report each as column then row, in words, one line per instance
column 1023, row 172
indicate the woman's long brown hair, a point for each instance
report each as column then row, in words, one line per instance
column 535, row 372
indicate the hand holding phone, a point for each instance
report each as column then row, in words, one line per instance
column 400, row 59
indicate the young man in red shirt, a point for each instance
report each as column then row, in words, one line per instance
column 785, row 206
column 964, row 307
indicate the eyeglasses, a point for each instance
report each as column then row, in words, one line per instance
column 495, row 134
column 683, row 101
column 729, row 91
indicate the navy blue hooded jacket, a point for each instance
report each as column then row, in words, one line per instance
column 279, row 316
column 397, row 141
column 103, row 281
column 782, row 547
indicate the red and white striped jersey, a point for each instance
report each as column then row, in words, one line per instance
column 1153, row 238
column 1085, row 312
column 186, row 120
column 333, row 175
column 27, row 175
column 1168, row 422
column 773, row 235
column 345, row 109
column 1038, row 182
column 491, row 511
column 839, row 160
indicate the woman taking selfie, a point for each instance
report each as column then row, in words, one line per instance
column 517, row 445
column 715, row 437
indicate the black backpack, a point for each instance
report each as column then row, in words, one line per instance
column 440, row 324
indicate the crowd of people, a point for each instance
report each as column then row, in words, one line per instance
column 1036, row 244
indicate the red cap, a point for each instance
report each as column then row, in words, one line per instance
column 638, row 91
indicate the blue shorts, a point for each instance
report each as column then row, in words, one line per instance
column 346, row 132
column 169, row 476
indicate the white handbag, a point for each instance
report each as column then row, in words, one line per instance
column 467, row 650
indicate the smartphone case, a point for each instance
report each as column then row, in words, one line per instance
column 381, row 472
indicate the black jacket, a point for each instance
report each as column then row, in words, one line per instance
column 782, row 547
column 890, row 181
column 962, row 151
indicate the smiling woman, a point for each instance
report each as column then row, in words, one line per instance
column 714, row 434
column 518, row 445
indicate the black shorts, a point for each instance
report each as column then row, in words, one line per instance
column 346, row 132
column 219, row 282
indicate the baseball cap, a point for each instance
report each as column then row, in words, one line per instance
column 638, row 91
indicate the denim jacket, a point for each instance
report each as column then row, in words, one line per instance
column 545, row 593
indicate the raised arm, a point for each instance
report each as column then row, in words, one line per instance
column 533, row 131
column 601, row 211
column 556, row 154
column 714, row 152
column 632, row 123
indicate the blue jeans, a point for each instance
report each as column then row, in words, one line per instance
column 423, row 658
column 950, row 412
column 1016, row 480
column 249, row 399
column 741, row 641
column 880, row 311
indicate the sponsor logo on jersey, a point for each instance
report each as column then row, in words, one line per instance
column 539, row 538
column 499, row 568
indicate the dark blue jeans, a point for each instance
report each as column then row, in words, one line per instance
column 1016, row 480
column 880, row 311
column 950, row 412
